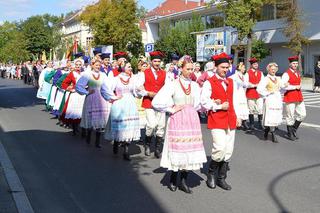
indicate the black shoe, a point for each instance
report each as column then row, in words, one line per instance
column 83, row 132
column 183, row 185
column 98, row 139
column 295, row 128
column 245, row 126
column 211, row 179
column 126, row 155
column 147, row 146
column 115, row 147
column 88, row 138
column 173, row 181
column 290, row 133
column 266, row 132
column 260, row 127
column 222, row 175
column 251, row 122
column 274, row 138
column 158, row 150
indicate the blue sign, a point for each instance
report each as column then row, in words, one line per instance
column 149, row 48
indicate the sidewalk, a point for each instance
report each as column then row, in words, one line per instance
column 7, row 204
column 307, row 83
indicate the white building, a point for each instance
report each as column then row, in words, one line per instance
column 73, row 28
column 269, row 29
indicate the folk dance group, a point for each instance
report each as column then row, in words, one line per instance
column 103, row 97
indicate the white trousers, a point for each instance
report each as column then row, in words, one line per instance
column 255, row 106
column 223, row 143
column 156, row 122
column 295, row 111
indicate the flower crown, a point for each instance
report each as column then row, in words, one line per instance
column 185, row 58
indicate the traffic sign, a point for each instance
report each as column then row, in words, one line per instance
column 149, row 47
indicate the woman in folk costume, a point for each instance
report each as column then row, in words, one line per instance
column 240, row 102
column 217, row 97
column 49, row 79
column 96, row 109
column 209, row 70
column 270, row 90
column 124, row 115
column 44, row 87
column 195, row 75
column 73, row 109
column 183, row 146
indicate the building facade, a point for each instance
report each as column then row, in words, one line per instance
column 269, row 29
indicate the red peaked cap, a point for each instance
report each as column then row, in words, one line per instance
column 156, row 55
column 120, row 55
column 253, row 60
column 220, row 58
column 293, row 58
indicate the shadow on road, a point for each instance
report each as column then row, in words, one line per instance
column 61, row 173
column 273, row 184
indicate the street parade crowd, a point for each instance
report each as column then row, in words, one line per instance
column 166, row 102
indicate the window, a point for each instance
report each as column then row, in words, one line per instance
column 215, row 21
column 274, row 11
column 267, row 12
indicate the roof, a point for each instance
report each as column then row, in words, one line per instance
column 174, row 6
column 142, row 25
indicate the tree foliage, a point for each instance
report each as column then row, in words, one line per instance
column 178, row 38
column 115, row 22
column 259, row 49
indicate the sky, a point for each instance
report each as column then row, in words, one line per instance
column 15, row 10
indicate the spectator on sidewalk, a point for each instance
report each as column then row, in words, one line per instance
column 317, row 77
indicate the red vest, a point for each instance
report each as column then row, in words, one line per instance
column 222, row 119
column 152, row 85
column 291, row 96
column 115, row 72
column 254, row 79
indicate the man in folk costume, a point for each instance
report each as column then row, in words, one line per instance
column 120, row 57
column 255, row 102
column 293, row 99
column 217, row 98
column 105, row 67
column 153, row 80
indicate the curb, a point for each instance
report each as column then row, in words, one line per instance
column 18, row 193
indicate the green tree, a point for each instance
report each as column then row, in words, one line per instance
column 243, row 15
column 115, row 22
column 178, row 38
column 141, row 12
column 294, row 30
column 259, row 49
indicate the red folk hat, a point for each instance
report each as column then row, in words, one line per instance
column 293, row 58
column 220, row 58
column 156, row 55
column 253, row 60
column 120, row 55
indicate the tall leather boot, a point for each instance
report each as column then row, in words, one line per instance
column 173, row 181
column 147, row 145
column 222, row 175
column 260, row 127
column 115, row 147
column 266, row 132
column 183, row 185
column 245, row 125
column 211, row 179
column 295, row 128
column 251, row 122
column 74, row 130
column 290, row 133
column 83, row 132
column 126, row 155
column 158, row 150
column 273, row 136
column 98, row 134
column 88, row 138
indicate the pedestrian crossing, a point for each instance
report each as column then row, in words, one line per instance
column 311, row 99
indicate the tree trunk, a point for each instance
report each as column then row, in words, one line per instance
column 249, row 49
column 301, row 68
column 236, row 56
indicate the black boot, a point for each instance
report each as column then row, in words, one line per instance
column 290, row 133
column 251, row 122
column 273, row 136
column 158, row 150
column 266, row 132
column 173, row 181
column 183, row 185
column 98, row 133
column 115, row 147
column 147, row 145
column 74, row 130
column 211, row 179
column 83, row 132
column 88, row 138
column 245, row 125
column 222, row 175
column 260, row 127
column 126, row 155
column 295, row 128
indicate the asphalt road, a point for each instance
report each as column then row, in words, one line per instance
column 60, row 173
